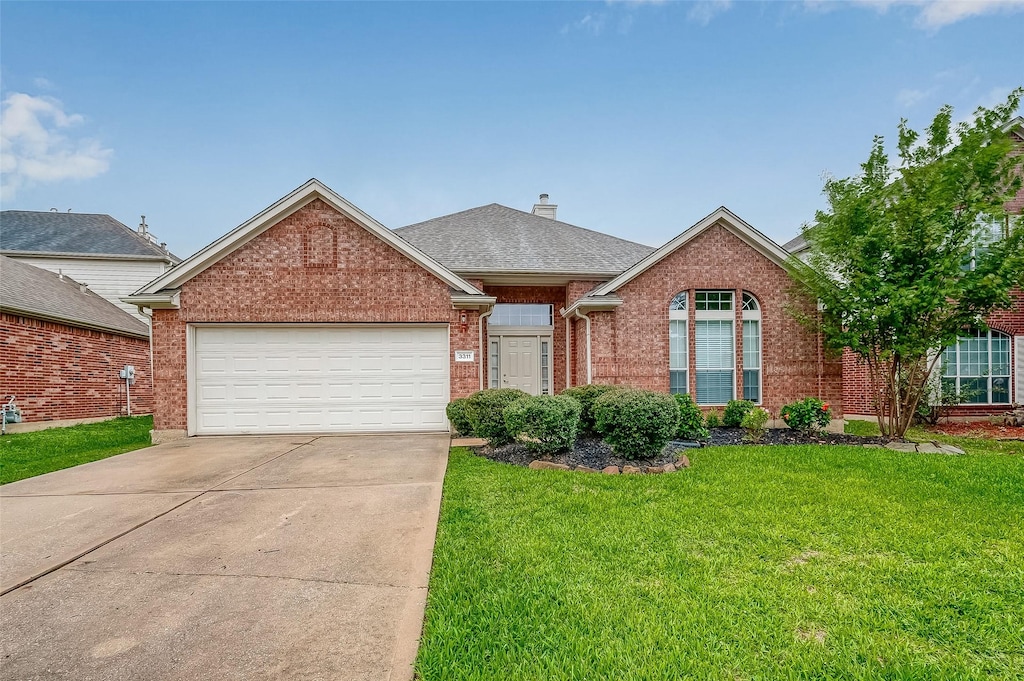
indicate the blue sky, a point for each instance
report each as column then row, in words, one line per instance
column 638, row 118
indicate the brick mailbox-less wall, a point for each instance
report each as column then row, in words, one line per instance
column 59, row 372
column 314, row 266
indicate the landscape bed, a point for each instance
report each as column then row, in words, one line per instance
column 759, row 562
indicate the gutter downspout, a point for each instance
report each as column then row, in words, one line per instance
column 483, row 348
column 590, row 373
column 568, row 353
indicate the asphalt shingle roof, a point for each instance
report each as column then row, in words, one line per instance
column 29, row 231
column 795, row 244
column 32, row 291
column 498, row 238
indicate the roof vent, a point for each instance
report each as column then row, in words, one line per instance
column 144, row 231
column 545, row 209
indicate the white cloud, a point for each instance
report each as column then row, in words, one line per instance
column 704, row 11
column 907, row 98
column 43, row 83
column 931, row 14
column 592, row 23
column 34, row 148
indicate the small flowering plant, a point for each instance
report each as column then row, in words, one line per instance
column 808, row 414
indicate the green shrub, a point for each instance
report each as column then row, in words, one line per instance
column 735, row 411
column 713, row 420
column 544, row 423
column 458, row 414
column 636, row 423
column 754, row 423
column 691, row 420
column 486, row 411
column 585, row 395
column 808, row 414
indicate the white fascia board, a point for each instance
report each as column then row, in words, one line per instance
column 730, row 220
column 468, row 302
column 70, row 321
column 592, row 304
column 158, row 301
column 269, row 217
column 86, row 256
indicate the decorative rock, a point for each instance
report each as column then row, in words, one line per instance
column 669, row 468
column 631, row 470
column 586, row 469
column 683, row 461
column 654, row 470
column 468, row 442
column 902, row 446
column 928, row 448
column 873, row 446
column 950, row 449
column 548, row 465
column 610, row 470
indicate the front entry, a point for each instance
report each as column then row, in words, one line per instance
column 522, row 362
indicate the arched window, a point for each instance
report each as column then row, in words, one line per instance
column 751, row 348
column 678, row 345
column 714, row 337
column 320, row 246
column 977, row 368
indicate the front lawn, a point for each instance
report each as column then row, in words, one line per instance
column 24, row 455
column 757, row 563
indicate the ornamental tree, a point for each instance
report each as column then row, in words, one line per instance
column 906, row 258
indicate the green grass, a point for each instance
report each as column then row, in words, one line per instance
column 24, row 455
column 758, row 563
column 971, row 445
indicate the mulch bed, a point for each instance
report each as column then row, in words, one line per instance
column 980, row 429
column 594, row 453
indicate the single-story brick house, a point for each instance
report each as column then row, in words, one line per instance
column 314, row 317
column 63, row 346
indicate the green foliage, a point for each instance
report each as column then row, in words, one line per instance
column 691, row 420
column 940, row 398
column 636, row 423
column 808, row 414
column 486, row 412
column 713, row 419
column 735, row 411
column 458, row 414
column 544, row 423
column 754, row 422
column 907, row 257
column 585, row 395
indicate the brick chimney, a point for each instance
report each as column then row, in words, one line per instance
column 545, row 209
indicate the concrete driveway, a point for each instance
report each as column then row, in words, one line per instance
column 223, row 558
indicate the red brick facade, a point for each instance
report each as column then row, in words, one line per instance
column 280, row 276
column 631, row 343
column 61, row 372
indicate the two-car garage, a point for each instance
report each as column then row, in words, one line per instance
column 330, row 378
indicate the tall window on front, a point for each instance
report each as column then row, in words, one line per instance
column 678, row 346
column 751, row 349
column 977, row 368
column 714, row 337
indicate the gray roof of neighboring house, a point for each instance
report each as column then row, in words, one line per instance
column 496, row 238
column 34, row 292
column 30, row 231
column 796, row 244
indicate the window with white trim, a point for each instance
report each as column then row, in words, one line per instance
column 678, row 345
column 714, row 338
column 751, row 348
column 977, row 368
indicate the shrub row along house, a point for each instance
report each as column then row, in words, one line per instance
column 314, row 317
column 65, row 333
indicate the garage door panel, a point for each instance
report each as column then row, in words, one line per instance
column 320, row 379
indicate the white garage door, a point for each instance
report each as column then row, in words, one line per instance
column 339, row 378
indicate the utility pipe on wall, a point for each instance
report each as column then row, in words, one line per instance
column 568, row 353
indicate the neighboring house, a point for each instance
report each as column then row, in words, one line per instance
column 313, row 317
column 62, row 348
column 97, row 250
column 986, row 367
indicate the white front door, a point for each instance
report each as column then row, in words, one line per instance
column 520, row 363
column 329, row 378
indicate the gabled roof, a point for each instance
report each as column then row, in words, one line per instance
column 796, row 244
column 722, row 216
column 34, row 292
column 496, row 238
column 236, row 238
column 89, row 234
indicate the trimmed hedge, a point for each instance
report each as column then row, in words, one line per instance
column 486, row 412
column 544, row 423
column 458, row 414
column 636, row 423
column 585, row 395
column 735, row 411
column 691, row 420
